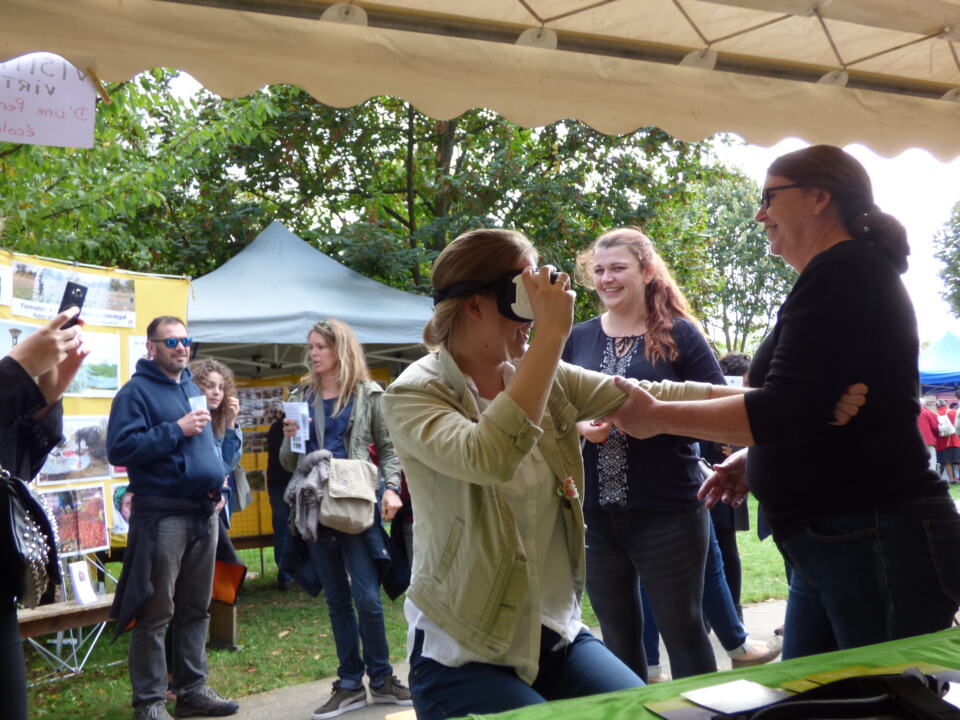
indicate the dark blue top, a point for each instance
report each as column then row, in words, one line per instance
column 335, row 427
column 662, row 471
column 143, row 435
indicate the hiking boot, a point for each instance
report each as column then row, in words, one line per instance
column 205, row 701
column 391, row 691
column 341, row 701
column 155, row 710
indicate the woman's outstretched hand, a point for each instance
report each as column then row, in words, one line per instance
column 727, row 483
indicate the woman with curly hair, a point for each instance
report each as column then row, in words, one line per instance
column 218, row 385
column 644, row 521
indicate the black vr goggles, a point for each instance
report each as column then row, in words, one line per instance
column 512, row 300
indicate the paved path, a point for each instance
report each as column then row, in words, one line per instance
column 297, row 702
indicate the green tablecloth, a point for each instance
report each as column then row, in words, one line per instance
column 942, row 648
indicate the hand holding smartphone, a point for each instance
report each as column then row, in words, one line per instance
column 73, row 296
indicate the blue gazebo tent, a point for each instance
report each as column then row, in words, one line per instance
column 940, row 365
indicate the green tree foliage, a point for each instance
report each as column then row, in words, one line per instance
column 151, row 194
column 947, row 251
column 746, row 284
column 180, row 185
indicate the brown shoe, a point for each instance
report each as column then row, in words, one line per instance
column 758, row 653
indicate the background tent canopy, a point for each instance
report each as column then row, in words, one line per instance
column 940, row 365
column 690, row 67
column 257, row 308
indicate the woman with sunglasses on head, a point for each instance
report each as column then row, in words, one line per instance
column 485, row 427
column 644, row 521
column 870, row 532
column 346, row 417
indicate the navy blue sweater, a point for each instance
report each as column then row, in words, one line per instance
column 144, row 436
column 662, row 470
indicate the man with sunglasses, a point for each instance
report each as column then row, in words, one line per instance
column 162, row 434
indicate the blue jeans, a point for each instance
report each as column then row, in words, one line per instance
column 335, row 555
column 583, row 667
column 873, row 576
column 718, row 607
column 280, row 512
column 182, row 578
column 667, row 550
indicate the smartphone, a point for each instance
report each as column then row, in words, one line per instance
column 73, row 296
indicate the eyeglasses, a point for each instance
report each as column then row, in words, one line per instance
column 172, row 342
column 765, row 195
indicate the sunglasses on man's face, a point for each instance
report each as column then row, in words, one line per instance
column 172, row 342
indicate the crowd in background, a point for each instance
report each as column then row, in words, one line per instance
column 611, row 456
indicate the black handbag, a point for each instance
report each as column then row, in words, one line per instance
column 910, row 695
column 29, row 540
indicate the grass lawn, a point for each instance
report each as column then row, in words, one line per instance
column 286, row 639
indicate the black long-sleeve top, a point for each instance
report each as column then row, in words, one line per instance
column 24, row 444
column 847, row 319
column 662, row 471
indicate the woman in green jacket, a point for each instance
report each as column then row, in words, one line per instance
column 346, row 417
column 485, row 427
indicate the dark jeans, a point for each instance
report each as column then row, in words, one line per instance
column 718, row 608
column 280, row 512
column 873, row 576
column 182, row 580
column 584, row 667
column 335, row 555
column 13, row 674
column 732, row 569
column 667, row 550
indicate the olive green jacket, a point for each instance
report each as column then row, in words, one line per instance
column 470, row 572
column 366, row 426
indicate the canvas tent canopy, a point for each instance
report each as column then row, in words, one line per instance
column 940, row 365
column 254, row 311
column 765, row 69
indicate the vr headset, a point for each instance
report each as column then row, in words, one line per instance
column 512, row 299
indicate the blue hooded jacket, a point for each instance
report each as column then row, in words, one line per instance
column 144, row 436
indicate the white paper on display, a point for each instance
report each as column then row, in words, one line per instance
column 736, row 696
column 44, row 100
column 83, row 591
column 300, row 412
column 198, row 402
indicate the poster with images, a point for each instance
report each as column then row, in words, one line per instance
column 83, row 453
column 6, row 284
column 92, row 519
column 121, row 508
column 259, row 405
column 62, row 504
column 136, row 349
column 13, row 332
column 81, row 519
column 99, row 376
column 37, row 290
column 254, row 441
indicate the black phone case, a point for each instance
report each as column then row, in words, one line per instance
column 73, row 296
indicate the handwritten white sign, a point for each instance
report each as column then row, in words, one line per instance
column 44, row 100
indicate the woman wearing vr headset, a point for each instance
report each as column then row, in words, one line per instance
column 643, row 516
column 485, row 427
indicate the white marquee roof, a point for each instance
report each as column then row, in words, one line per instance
column 615, row 65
